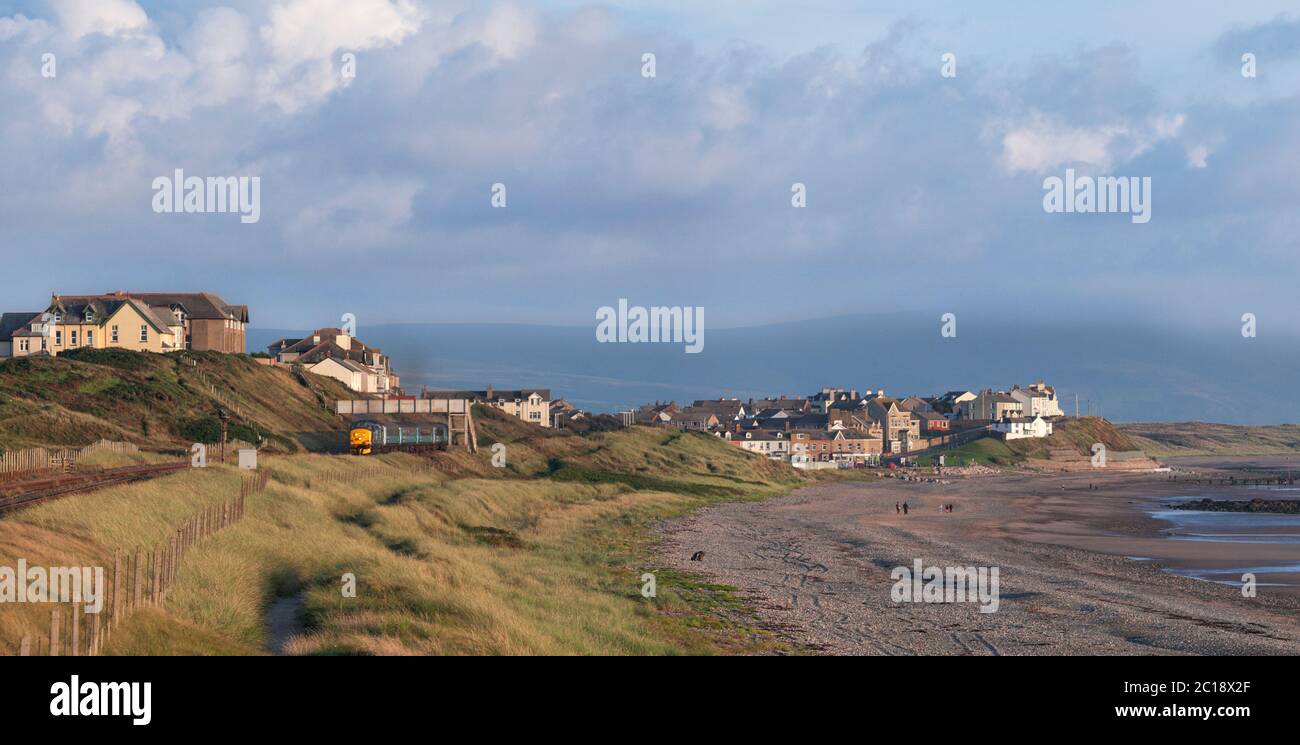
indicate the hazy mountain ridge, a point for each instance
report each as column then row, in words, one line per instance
column 1131, row 373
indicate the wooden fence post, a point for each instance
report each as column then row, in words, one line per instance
column 25, row 647
column 92, row 634
column 116, row 616
column 76, row 632
column 54, row 632
column 137, row 587
column 155, row 576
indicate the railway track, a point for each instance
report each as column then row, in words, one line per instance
column 17, row 495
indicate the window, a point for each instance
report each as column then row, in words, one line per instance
column 58, row 338
column 90, row 338
column 23, row 345
column 72, row 338
column 113, row 334
column 144, row 332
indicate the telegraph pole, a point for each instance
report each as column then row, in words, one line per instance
column 225, row 418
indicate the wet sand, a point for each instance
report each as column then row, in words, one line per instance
column 815, row 565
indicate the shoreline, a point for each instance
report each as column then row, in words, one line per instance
column 816, row 565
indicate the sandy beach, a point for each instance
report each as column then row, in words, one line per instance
column 816, row 566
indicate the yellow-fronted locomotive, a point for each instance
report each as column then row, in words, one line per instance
column 368, row 438
column 361, row 440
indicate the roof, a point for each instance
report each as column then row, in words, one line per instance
column 497, row 395
column 689, row 415
column 809, row 421
column 104, row 306
column 914, row 404
column 348, row 365
column 790, row 404
column 762, row 435
column 848, row 405
column 11, row 322
column 729, row 408
column 201, row 305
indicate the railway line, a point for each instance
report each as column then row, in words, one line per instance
column 20, row 494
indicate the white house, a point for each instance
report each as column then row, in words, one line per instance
column 1016, row 428
column 774, row 445
column 1037, row 400
column 354, row 375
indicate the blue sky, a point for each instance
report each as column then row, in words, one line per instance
column 924, row 192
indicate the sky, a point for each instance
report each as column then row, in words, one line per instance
column 924, row 192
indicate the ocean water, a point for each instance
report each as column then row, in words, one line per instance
column 1233, row 527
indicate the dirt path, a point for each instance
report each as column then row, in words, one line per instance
column 282, row 623
column 817, row 564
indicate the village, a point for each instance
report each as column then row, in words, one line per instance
column 832, row 428
column 842, row 427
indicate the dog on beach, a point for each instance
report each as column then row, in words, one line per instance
column 697, row 556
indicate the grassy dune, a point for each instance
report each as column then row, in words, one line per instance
column 1070, row 438
column 1204, row 438
column 160, row 401
column 451, row 555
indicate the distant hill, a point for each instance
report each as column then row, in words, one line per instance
column 162, row 401
column 1128, row 372
column 1203, row 438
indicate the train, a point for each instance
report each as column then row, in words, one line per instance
column 369, row 438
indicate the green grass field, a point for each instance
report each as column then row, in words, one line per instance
column 451, row 556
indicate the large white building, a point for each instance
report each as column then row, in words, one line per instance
column 1037, row 400
column 775, row 445
column 1020, row 427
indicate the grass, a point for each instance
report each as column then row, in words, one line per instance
column 987, row 451
column 160, row 401
column 1204, row 438
column 1070, row 438
column 451, row 556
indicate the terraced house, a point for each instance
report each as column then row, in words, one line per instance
column 529, row 404
column 143, row 322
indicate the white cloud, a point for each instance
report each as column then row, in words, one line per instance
column 79, row 18
column 301, row 31
column 726, row 108
column 367, row 214
column 507, row 31
column 1044, row 144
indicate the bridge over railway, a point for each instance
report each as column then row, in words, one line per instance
column 457, row 411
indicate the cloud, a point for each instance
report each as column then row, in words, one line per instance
column 78, row 18
column 1277, row 39
column 300, row 31
column 618, row 182
column 1042, row 145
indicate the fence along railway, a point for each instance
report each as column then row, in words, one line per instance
column 18, row 494
column 15, row 463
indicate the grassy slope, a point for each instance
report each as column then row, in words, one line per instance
column 1203, row 438
column 1069, row 436
column 451, row 556
column 156, row 401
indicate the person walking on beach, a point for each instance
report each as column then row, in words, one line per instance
column 897, row 509
column 905, row 508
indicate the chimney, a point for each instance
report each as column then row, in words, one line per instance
column 489, row 392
